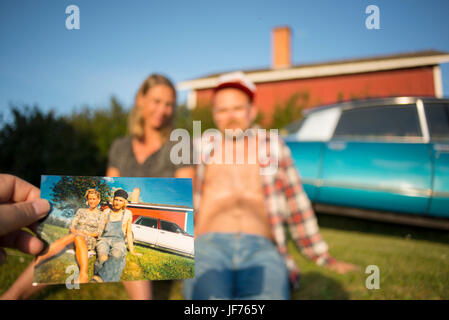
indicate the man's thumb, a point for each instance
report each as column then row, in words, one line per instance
column 18, row 215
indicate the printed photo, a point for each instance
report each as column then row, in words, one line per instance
column 104, row 229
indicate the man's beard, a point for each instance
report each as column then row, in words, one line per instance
column 115, row 209
column 234, row 129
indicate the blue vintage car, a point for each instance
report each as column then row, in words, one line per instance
column 380, row 158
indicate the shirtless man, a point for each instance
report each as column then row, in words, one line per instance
column 240, row 245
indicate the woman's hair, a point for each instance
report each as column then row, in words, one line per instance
column 136, row 120
column 91, row 191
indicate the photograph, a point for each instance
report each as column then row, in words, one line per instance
column 104, row 229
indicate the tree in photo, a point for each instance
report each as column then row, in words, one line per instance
column 68, row 193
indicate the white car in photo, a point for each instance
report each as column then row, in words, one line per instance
column 162, row 233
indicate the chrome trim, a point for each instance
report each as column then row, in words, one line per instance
column 313, row 182
column 413, row 192
column 391, row 217
column 440, row 194
column 441, row 147
column 336, row 145
column 423, row 120
column 365, row 139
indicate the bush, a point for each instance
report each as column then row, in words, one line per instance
column 36, row 143
column 103, row 125
column 291, row 111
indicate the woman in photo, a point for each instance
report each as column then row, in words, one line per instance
column 145, row 152
column 86, row 226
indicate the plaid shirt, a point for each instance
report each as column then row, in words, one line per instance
column 287, row 206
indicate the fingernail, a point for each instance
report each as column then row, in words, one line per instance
column 41, row 207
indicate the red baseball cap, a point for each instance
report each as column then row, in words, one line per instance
column 236, row 80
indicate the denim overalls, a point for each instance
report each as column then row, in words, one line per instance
column 111, row 243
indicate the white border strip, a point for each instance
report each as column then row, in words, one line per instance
column 437, row 82
column 158, row 207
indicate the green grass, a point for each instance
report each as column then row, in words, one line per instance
column 153, row 264
column 413, row 264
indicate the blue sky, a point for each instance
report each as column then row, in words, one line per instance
column 120, row 43
column 153, row 190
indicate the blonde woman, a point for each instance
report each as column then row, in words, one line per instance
column 86, row 226
column 145, row 152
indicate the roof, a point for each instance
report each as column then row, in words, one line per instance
column 168, row 207
column 331, row 68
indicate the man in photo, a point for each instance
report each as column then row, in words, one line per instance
column 241, row 214
column 111, row 247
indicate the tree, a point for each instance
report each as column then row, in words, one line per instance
column 290, row 111
column 103, row 125
column 184, row 118
column 54, row 220
column 36, row 143
column 68, row 193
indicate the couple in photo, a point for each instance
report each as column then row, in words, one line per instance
column 103, row 231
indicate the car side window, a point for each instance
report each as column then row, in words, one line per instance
column 170, row 226
column 167, row 226
column 437, row 115
column 386, row 123
column 148, row 222
column 319, row 125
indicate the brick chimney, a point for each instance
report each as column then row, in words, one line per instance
column 281, row 49
column 135, row 195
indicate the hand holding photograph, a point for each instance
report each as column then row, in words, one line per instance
column 104, row 229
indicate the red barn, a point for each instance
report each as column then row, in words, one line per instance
column 172, row 213
column 176, row 214
column 406, row 74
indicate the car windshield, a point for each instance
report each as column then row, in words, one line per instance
column 148, row 222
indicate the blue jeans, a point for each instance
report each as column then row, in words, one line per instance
column 110, row 270
column 237, row 266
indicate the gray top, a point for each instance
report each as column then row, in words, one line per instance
column 158, row 164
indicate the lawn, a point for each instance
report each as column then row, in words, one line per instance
column 413, row 264
column 153, row 264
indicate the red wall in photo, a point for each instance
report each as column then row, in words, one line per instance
column 178, row 217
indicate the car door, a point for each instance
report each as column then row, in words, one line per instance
column 183, row 242
column 437, row 115
column 378, row 159
column 145, row 230
column 307, row 147
column 171, row 236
